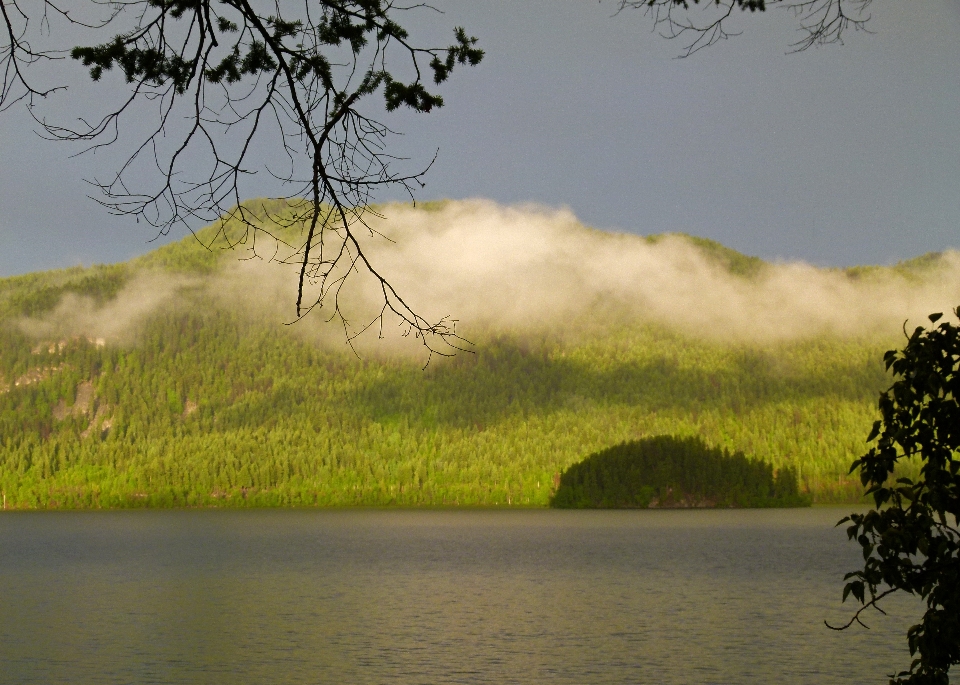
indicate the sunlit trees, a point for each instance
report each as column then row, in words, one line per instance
column 314, row 425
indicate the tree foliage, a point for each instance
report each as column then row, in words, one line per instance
column 910, row 541
column 201, row 403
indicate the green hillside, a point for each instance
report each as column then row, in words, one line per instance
column 205, row 405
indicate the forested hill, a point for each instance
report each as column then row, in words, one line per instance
column 140, row 384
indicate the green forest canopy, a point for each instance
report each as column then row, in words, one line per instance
column 207, row 406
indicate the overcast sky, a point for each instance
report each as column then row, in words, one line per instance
column 848, row 154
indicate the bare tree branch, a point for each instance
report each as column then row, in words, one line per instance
column 224, row 77
column 872, row 603
column 821, row 21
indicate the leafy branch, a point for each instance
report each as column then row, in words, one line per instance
column 910, row 540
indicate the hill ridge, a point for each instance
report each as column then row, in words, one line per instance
column 205, row 399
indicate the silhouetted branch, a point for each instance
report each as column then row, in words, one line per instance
column 821, row 21
column 296, row 75
column 871, row 604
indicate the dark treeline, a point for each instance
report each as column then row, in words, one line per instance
column 670, row 471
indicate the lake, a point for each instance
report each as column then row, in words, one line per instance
column 435, row 596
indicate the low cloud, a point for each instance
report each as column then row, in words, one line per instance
column 524, row 267
column 529, row 268
column 117, row 320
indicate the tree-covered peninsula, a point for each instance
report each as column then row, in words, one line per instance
column 665, row 471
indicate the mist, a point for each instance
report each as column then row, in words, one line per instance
column 531, row 268
column 117, row 321
column 525, row 268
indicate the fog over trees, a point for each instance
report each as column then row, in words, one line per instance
column 301, row 75
column 316, row 78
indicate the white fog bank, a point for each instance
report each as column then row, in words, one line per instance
column 525, row 268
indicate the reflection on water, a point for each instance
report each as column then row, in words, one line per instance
column 374, row 596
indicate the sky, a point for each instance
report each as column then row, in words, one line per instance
column 846, row 154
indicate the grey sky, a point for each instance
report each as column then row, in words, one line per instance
column 841, row 155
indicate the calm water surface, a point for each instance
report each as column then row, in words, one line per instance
column 381, row 596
